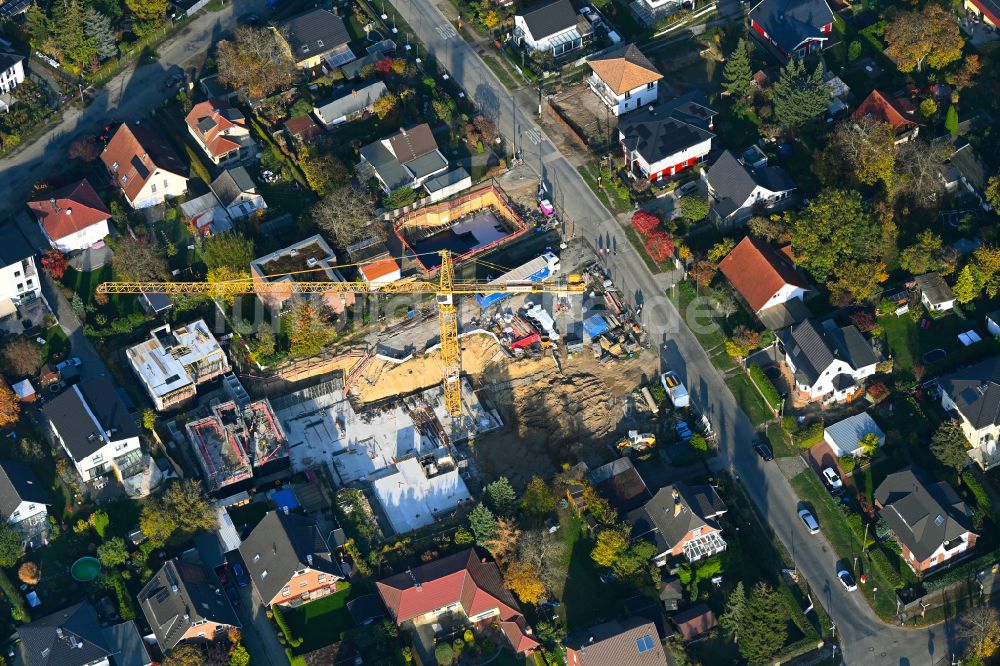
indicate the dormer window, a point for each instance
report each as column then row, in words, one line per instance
column 263, row 574
column 114, row 166
column 124, row 179
column 319, row 43
column 305, row 48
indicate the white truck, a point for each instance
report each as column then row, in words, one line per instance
column 675, row 389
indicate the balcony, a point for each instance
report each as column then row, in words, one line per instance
column 601, row 90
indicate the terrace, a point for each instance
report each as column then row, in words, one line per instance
column 309, row 260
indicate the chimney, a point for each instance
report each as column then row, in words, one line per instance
column 309, row 559
column 591, row 639
column 677, row 503
column 69, row 211
column 52, row 201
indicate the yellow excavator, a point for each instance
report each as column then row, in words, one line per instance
column 637, row 441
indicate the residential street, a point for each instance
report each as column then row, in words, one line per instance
column 865, row 638
column 129, row 96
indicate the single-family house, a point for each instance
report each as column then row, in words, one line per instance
column 694, row 621
column 24, row 502
column 736, row 189
column 126, row 645
column 463, row 584
column 173, row 362
column 205, row 215
column 621, row 484
column 11, row 72
column 184, row 602
column 92, row 425
column 221, row 131
column 405, row 159
column 988, row 11
column 309, row 260
column 19, row 282
column 624, row 79
column 289, row 560
column 237, row 193
column 794, row 28
column 826, row 360
column 844, row 436
column 352, row 104
column 72, row 217
column 69, row 637
column 962, row 172
column 316, row 37
column 664, row 140
column 972, row 395
column 899, row 112
column 303, row 128
column 552, row 26
column 763, row 277
column 928, row 519
column 681, row 520
column 143, row 165
column 935, row 293
column 634, row 641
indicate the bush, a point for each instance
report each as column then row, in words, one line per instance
column 881, row 562
column 984, row 507
column 809, row 437
column 126, row 609
column 766, row 386
column 18, row 611
column 659, row 246
column 443, row 654
column 644, row 222
column 789, row 425
column 847, row 463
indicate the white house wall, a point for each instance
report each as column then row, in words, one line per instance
column 82, row 239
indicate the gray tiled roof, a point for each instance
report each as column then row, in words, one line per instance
column 975, row 390
column 657, row 521
column 921, row 513
column 791, row 22
column 733, row 182
column 933, row 286
column 180, row 595
column 19, row 484
column 70, row 637
column 13, row 245
column 616, row 643
column 318, row 30
column 69, row 414
column 231, row 184
column 813, row 349
column 127, row 645
column 549, row 18
column 668, row 128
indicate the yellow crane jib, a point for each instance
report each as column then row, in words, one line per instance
column 445, row 289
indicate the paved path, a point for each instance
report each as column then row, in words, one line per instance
column 865, row 639
column 127, row 97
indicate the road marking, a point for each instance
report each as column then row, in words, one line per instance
column 446, row 31
column 534, row 136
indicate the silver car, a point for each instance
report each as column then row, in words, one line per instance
column 809, row 520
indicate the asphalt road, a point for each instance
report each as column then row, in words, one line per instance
column 866, row 640
column 129, row 96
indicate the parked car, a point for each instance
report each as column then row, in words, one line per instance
column 832, row 479
column 687, row 188
column 234, row 596
column 847, row 580
column 69, row 363
column 763, row 449
column 240, row 574
column 809, row 520
column 683, row 431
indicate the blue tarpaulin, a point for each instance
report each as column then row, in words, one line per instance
column 594, row 325
column 285, row 499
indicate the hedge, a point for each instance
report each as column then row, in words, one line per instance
column 279, row 619
column 983, row 504
column 962, row 571
column 765, row 386
column 809, row 437
column 881, row 562
column 18, row 611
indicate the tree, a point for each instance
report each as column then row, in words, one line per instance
column 100, row 521
column 184, row 654
column 719, row 251
column 10, row 407
column 948, row 446
column 856, row 282
column 928, row 109
column 21, row 357
column 239, row 656
column 854, row 50
column 736, row 615
column 923, row 256
column 644, row 222
column 68, row 18
column 951, row 120
column 98, row 28
column 609, row 547
column 969, row 284
column 187, row 501
column 636, row 559
column 491, row 20
column 29, row 573
column 833, row 228
column 869, row 147
column 443, row 653
column 345, row 213
column 799, row 96
column 869, row 445
column 30, row 449
column 500, row 498
column 765, row 626
column 930, row 35
column 504, row 540
column 538, row 500
column 308, row 331
column 404, row 196
column 261, row 346
column 524, row 580
column 703, row 272
column 385, row 105
column 87, row 148
column 323, row 171
column 966, row 74
column 37, row 26
column 256, row 59
column 483, row 524
column 980, row 628
column 774, row 228
column 694, row 208
column 113, row 552
column 11, row 546
column 659, row 245
column 54, row 263
column 157, row 522
column 992, row 193
column 139, row 259
column 736, row 75
column 487, row 129
column 228, row 250
column 743, row 341
column 148, row 419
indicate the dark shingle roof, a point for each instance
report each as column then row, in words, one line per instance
column 13, row 245
column 791, row 22
column 19, row 484
column 231, row 184
column 813, row 349
column 282, row 544
column 127, row 645
column 180, row 595
column 668, row 128
column 935, row 288
column 69, row 414
column 617, row 643
column 733, row 182
column 921, row 513
column 656, row 520
column 70, row 637
column 8, row 60
column 318, row 30
column 549, row 18
column 975, row 390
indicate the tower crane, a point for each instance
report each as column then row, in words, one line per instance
column 445, row 289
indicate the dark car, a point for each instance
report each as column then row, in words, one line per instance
column 240, row 574
column 763, row 449
column 234, row 596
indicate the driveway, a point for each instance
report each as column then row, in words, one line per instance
column 258, row 632
column 865, row 638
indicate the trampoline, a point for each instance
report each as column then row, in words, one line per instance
column 934, row 355
column 85, row 569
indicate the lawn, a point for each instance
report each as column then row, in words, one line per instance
column 84, row 284
column 56, row 342
column 321, row 622
column 908, row 342
column 749, row 398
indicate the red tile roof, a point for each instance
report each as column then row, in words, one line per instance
column 134, row 154
column 69, row 210
column 303, row 128
column 899, row 113
column 379, row 269
column 218, row 117
column 518, row 633
column 758, row 271
column 459, row 578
